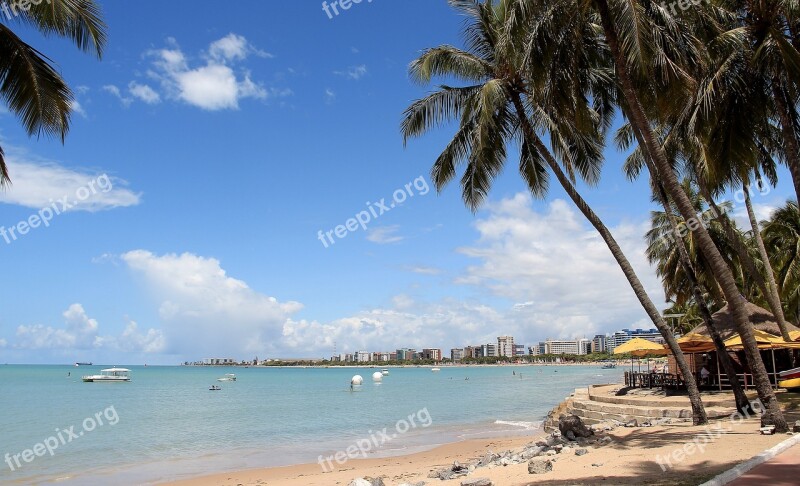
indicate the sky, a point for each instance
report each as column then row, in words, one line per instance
column 192, row 210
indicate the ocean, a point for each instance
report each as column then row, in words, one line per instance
column 166, row 424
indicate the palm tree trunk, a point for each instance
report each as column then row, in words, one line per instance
column 791, row 144
column 699, row 416
column 654, row 153
column 772, row 298
column 742, row 403
column 772, row 286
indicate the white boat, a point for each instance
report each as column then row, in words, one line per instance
column 384, row 372
column 228, row 377
column 436, row 369
column 215, row 388
column 110, row 375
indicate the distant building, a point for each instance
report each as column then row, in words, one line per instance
column 584, row 346
column 363, row 356
column 599, row 344
column 457, row 354
column 219, row 361
column 405, row 354
column 519, row 350
column 489, row 351
column 621, row 337
column 558, row 346
column 348, row 358
column 471, row 351
column 431, row 353
column 505, row 346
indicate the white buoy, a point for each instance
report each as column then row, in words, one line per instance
column 356, row 380
column 377, row 377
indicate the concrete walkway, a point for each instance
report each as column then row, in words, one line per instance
column 782, row 470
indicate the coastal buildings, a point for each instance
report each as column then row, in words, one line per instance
column 560, row 346
column 621, row 337
column 519, row 350
column 505, row 346
column 457, row 354
column 432, row 353
column 599, row 344
column 584, row 346
column 219, row 361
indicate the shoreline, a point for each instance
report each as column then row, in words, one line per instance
column 632, row 456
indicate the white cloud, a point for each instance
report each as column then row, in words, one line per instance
column 78, row 108
column 558, row 268
column 330, row 96
column 144, row 93
column 205, row 311
column 38, row 183
column 80, row 332
column 215, row 85
column 353, row 72
column 383, row 235
column 423, row 270
column 115, row 91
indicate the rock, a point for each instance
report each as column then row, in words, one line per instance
column 573, row 424
column 570, row 435
column 421, row 483
column 606, row 440
column 558, row 448
column 551, row 452
column 539, row 466
column 581, row 452
column 530, row 452
column 489, row 458
column 505, row 461
column 458, row 467
column 542, row 443
column 796, row 426
column 443, row 474
column 632, row 423
column 359, row 482
column 596, row 465
column 477, row 482
column 375, row 481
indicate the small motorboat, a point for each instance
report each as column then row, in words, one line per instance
column 110, row 375
column 79, row 363
column 790, row 374
column 609, row 366
column 792, row 384
column 215, row 388
column 790, row 379
column 384, row 372
column 436, row 369
column 228, row 377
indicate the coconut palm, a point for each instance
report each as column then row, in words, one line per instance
column 649, row 46
column 29, row 84
column 512, row 61
column 782, row 238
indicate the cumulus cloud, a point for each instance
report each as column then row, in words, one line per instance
column 38, row 183
column 384, row 235
column 215, row 85
column 205, row 311
column 144, row 93
column 353, row 72
column 557, row 268
column 81, row 332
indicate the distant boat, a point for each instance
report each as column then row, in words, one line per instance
column 436, row 369
column 228, row 377
column 110, row 375
column 609, row 366
column 83, row 364
column 215, row 388
column 384, row 372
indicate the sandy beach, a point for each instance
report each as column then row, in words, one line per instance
column 631, row 456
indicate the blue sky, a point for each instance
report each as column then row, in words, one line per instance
column 230, row 137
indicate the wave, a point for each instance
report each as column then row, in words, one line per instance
column 521, row 424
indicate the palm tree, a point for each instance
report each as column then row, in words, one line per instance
column 782, row 238
column 655, row 251
column 30, row 86
column 510, row 92
column 635, row 31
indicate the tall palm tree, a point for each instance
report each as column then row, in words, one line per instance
column 782, row 238
column 512, row 97
column 635, row 31
column 29, row 84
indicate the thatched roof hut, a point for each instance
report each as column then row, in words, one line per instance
column 761, row 319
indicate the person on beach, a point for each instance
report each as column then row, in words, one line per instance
column 704, row 374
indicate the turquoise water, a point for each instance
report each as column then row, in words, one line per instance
column 168, row 425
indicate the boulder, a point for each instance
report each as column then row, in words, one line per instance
column 539, row 466
column 359, row 482
column 581, row 452
column 477, row 482
column 375, row 481
column 572, row 425
column 489, row 458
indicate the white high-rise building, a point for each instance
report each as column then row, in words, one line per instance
column 505, row 346
column 584, row 346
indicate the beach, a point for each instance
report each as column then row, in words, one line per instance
column 632, row 457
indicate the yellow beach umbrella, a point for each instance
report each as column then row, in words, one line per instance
column 764, row 339
column 696, row 343
column 640, row 347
